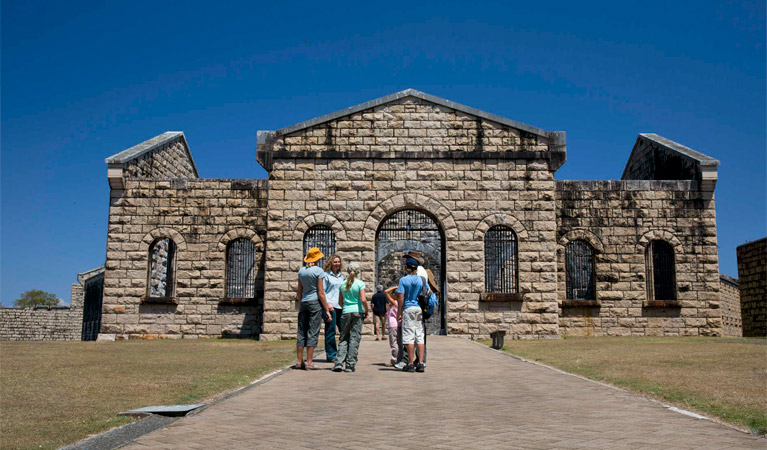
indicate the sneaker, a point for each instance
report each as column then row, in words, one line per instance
column 409, row 368
column 399, row 365
column 349, row 369
column 420, row 368
column 337, row 369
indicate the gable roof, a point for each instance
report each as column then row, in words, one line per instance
column 149, row 145
column 696, row 165
column 417, row 94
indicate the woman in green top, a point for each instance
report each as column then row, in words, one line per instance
column 355, row 311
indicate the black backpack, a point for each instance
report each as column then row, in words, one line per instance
column 427, row 307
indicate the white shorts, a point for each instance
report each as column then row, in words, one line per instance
column 412, row 326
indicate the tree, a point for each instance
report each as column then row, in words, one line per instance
column 36, row 297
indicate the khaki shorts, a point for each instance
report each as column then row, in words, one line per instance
column 412, row 326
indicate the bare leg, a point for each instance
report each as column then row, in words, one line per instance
column 299, row 356
column 420, row 354
column 309, row 356
column 409, row 353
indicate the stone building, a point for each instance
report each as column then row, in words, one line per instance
column 732, row 323
column 512, row 247
column 752, row 278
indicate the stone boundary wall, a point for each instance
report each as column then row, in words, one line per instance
column 201, row 216
column 56, row 323
column 731, row 317
column 619, row 219
column 752, row 278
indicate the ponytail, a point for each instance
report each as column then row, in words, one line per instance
column 350, row 280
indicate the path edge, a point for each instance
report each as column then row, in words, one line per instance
column 667, row 406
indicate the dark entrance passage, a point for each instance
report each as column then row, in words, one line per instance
column 412, row 230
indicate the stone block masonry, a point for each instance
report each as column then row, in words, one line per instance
column 55, row 323
column 407, row 155
column 201, row 216
column 729, row 294
column 752, row 279
column 619, row 219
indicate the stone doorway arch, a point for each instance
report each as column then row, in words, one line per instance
column 406, row 230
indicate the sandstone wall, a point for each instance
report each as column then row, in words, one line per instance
column 170, row 160
column 730, row 298
column 619, row 218
column 752, row 278
column 201, row 216
column 650, row 161
column 466, row 197
column 411, row 125
column 57, row 323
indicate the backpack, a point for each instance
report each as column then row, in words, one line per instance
column 427, row 301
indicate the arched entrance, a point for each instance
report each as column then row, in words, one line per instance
column 412, row 230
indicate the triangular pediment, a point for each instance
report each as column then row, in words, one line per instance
column 409, row 122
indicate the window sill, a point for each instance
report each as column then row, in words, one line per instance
column 661, row 304
column 580, row 303
column 500, row 297
column 238, row 301
column 160, row 300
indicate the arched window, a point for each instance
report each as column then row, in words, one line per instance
column 579, row 267
column 661, row 277
column 501, row 260
column 241, row 269
column 322, row 237
column 162, row 265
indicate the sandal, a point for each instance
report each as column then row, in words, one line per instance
column 301, row 366
column 311, row 366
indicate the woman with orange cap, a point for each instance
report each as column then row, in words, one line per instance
column 313, row 308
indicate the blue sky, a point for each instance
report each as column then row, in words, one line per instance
column 81, row 81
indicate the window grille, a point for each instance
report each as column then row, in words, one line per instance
column 241, row 269
column 579, row 265
column 501, row 260
column 162, row 261
column 322, row 237
column 661, row 277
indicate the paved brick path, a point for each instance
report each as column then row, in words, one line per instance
column 469, row 397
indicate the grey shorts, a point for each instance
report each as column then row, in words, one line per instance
column 309, row 322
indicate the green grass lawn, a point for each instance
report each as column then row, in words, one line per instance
column 720, row 377
column 56, row 393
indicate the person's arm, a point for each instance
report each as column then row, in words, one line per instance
column 399, row 307
column 321, row 297
column 392, row 301
column 300, row 290
column 364, row 302
column 340, row 299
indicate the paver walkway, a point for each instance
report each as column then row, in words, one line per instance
column 469, row 397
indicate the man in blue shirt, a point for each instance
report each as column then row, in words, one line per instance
column 411, row 315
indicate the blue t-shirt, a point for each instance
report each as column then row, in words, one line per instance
column 411, row 286
column 309, row 276
column 332, row 284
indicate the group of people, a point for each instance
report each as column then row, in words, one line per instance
column 326, row 294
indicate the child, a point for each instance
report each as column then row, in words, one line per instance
column 391, row 319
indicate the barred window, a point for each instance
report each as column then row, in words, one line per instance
column 661, row 276
column 162, row 263
column 240, row 269
column 501, row 260
column 322, row 237
column 579, row 265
